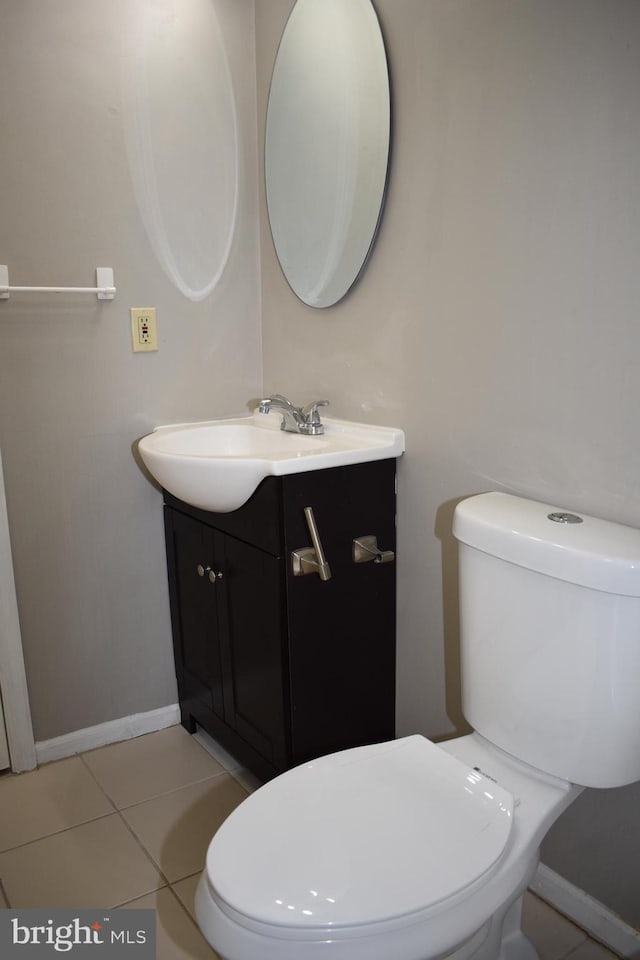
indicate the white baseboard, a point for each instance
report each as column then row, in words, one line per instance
column 598, row 921
column 111, row 732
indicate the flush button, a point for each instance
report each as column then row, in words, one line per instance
column 564, row 517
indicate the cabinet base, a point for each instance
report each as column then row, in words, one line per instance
column 193, row 713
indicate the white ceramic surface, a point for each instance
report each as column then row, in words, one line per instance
column 550, row 657
column 593, row 553
column 432, row 932
column 217, row 464
column 412, row 801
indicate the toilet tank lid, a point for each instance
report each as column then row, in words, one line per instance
column 592, row 553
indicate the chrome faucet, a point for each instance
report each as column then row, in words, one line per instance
column 295, row 419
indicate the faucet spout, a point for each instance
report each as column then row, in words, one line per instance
column 279, row 402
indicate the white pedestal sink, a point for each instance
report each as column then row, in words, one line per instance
column 217, row 464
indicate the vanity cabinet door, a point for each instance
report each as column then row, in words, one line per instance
column 253, row 648
column 195, row 610
column 227, row 608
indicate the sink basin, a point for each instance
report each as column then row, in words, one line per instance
column 217, row 464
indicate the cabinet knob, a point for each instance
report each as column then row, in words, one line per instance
column 210, row 572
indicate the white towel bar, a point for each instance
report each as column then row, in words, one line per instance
column 104, row 287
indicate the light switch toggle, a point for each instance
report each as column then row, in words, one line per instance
column 365, row 549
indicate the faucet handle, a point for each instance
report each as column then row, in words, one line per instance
column 311, row 425
column 310, row 412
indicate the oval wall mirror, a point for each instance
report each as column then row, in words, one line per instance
column 327, row 145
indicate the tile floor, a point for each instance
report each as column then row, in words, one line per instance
column 128, row 825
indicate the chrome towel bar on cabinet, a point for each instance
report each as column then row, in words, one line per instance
column 104, row 287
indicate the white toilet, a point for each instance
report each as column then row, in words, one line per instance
column 409, row 850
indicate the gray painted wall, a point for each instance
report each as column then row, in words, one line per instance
column 497, row 321
column 86, row 525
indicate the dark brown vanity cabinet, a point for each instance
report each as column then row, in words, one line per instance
column 281, row 668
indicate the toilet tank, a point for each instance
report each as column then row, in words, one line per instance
column 550, row 637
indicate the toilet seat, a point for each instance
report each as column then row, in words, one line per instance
column 375, row 835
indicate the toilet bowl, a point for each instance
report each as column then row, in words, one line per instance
column 410, row 850
column 404, row 849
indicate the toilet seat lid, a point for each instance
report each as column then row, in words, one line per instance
column 360, row 836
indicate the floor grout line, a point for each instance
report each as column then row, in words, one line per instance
column 146, row 853
column 147, row 893
column 176, row 897
column 3, row 890
column 167, row 793
column 95, row 780
column 56, row 833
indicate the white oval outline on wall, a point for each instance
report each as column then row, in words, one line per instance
column 140, row 142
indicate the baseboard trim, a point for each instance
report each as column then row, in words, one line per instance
column 593, row 916
column 104, row 733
